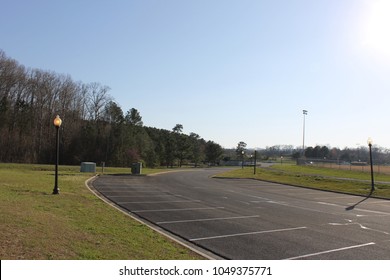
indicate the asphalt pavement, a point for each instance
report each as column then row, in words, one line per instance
column 250, row 219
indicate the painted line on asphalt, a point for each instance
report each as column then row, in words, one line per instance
column 128, row 191
column 246, row 233
column 139, row 196
column 302, row 208
column 150, row 202
column 176, row 209
column 255, row 196
column 378, row 202
column 374, row 212
column 123, row 187
column 334, row 197
column 205, row 220
column 331, row 251
column 328, row 203
column 356, row 209
column 330, row 213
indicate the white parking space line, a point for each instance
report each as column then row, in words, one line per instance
column 334, row 197
column 204, row 220
column 373, row 212
column 138, row 196
column 339, row 206
column 123, row 188
column 331, row 251
column 167, row 201
column 356, row 209
column 378, row 202
column 327, row 203
column 255, row 196
column 129, row 191
column 176, row 209
column 304, row 208
column 247, row 233
column 290, row 191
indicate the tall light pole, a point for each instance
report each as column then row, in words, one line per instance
column 369, row 142
column 304, row 120
column 255, row 163
column 57, row 123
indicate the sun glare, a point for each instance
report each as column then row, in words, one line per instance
column 376, row 28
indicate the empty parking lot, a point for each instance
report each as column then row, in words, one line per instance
column 248, row 219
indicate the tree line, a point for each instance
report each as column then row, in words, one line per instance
column 94, row 126
column 381, row 155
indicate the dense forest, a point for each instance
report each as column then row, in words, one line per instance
column 94, row 127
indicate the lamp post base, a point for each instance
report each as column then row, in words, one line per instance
column 56, row 191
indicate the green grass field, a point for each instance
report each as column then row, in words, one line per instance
column 72, row 225
column 353, row 182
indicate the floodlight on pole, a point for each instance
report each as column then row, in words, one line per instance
column 304, row 120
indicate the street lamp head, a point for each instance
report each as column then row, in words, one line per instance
column 57, row 121
column 305, row 112
column 369, row 141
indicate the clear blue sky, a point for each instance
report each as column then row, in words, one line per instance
column 228, row 70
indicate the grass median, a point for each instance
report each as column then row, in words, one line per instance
column 353, row 182
column 73, row 225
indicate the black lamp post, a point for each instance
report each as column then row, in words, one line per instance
column 242, row 163
column 369, row 142
column 57, row 123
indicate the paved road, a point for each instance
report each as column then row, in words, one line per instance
column 248, row 219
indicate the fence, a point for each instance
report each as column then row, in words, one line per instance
column 343, row 165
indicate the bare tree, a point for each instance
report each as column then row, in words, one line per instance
column 97, row 99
